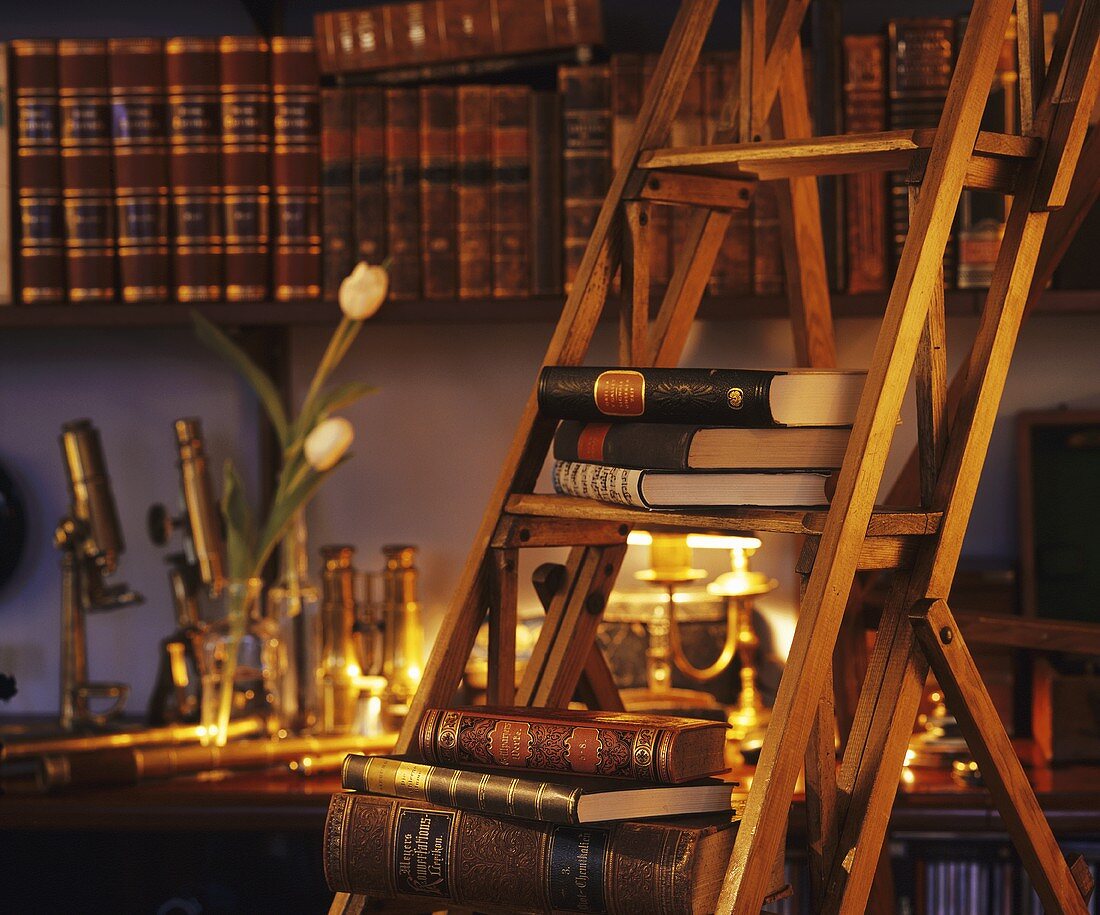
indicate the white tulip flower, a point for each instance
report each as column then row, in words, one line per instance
column 363, row 291
column 328, row 442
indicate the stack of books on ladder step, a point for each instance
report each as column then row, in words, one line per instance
column 537, row 810
column 669, row 438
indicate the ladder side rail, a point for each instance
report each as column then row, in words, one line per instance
column 857, row 487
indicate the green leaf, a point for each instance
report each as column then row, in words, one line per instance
column 343, row 395
column 215, row 339
column 240, row 525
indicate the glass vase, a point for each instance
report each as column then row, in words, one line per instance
column 239, row 654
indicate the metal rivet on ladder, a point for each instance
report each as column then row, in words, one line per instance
column 524, row 535
column 624, row 529
column 594, row 604
column 743, row 193
column 654, row 184
column 946, row 635
column 643, row 218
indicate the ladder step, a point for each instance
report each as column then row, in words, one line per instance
column 884, row 522
column 891, row 150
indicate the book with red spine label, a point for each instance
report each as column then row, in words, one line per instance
column 438, row 250
column 37, row 172
column 140, row 145
column 88, row 194
column 194, row 167
column 295, row 169
column 403, row 192
column 245, row 166
column 510, row 190
column 474, row 150
column 337, row 197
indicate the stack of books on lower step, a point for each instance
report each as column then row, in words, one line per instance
column 693, row 437
column 537, row 810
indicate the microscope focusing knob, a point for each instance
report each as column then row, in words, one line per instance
column 160, row 524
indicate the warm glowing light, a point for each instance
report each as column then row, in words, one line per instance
column 700, row 541
column 354, row 670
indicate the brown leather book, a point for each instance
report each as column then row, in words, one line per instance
column 86, row 169
column 733, row 265
column 474, row 148
column 510, row 188
column 403, row 192
column 389, row 848
column 245, row 166
column 438, row 253
column 920, row 61
column 37, row 170
column 140, row 143
column 450, row 31
column 865, row 195
column 369, row 173
column 586, row 155
column 662, row 749
column 194, row 166
column 544, row 211
column 337, row 189
column 295, row 169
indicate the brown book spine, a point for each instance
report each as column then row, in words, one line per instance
column 86, row 169
column 586, row 156
column 140, row 144
column 660, row 217
column 403, row 192
column 511, row 191
column 337, row 204
column 38, row 171
column 194, row 138
column 369, row 173
column 245, row 166
column 295, row 169
column 411, row 34
column 474, row 149
column 733, row 265
column 439, row 258
column 545, row 209
column 921, row 58
column 865, row 195
column 390, row 847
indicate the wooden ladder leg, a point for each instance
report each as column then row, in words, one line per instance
column 501, row 688
column 969, row 702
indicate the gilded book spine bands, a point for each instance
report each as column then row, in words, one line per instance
column 473, row 144
column 194, row 138
column 439, row 258
column 38, row 171
column 88, row 194
column 403, row 192
column 337, row 211
column 246, row 148
column 495, row 794
column 369, row 173
column 510, row 191
column 467, row 738
column 295, row 163
column 139, row 144
column 390, row 848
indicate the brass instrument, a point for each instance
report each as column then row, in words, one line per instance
column 403, row 640
column 90, row 539
column 338, row 667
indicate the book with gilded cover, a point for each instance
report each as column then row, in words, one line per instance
column 38, row 171
column 390, row 848
column 194, row 168
column 140, row 145
column 337, row 205
column 88, row 195
column 295, row 169
column 245, row 165
column 403, row 192
column 438, row 253
column 579, row 799
column 511, row 190
column 661, row 749
column 369, row 173
column 474, row 228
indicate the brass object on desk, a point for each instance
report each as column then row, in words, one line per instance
column 338, row 666
column 403, row 632
column 90, row 540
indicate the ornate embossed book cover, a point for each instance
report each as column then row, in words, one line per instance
column 648, row 748
column 391, row 848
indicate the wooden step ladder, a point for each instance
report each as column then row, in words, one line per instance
column 848, row 810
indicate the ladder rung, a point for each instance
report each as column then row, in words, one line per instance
column 884, row 522
column 890, row 150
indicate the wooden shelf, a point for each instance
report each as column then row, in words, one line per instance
column 536, row 310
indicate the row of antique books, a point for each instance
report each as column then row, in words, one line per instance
column 149, row 169
column 521, row 809
column 679, row 438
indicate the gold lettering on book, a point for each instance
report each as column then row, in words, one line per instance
column 620, row 393
column 510, row 743
column 583, row 748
